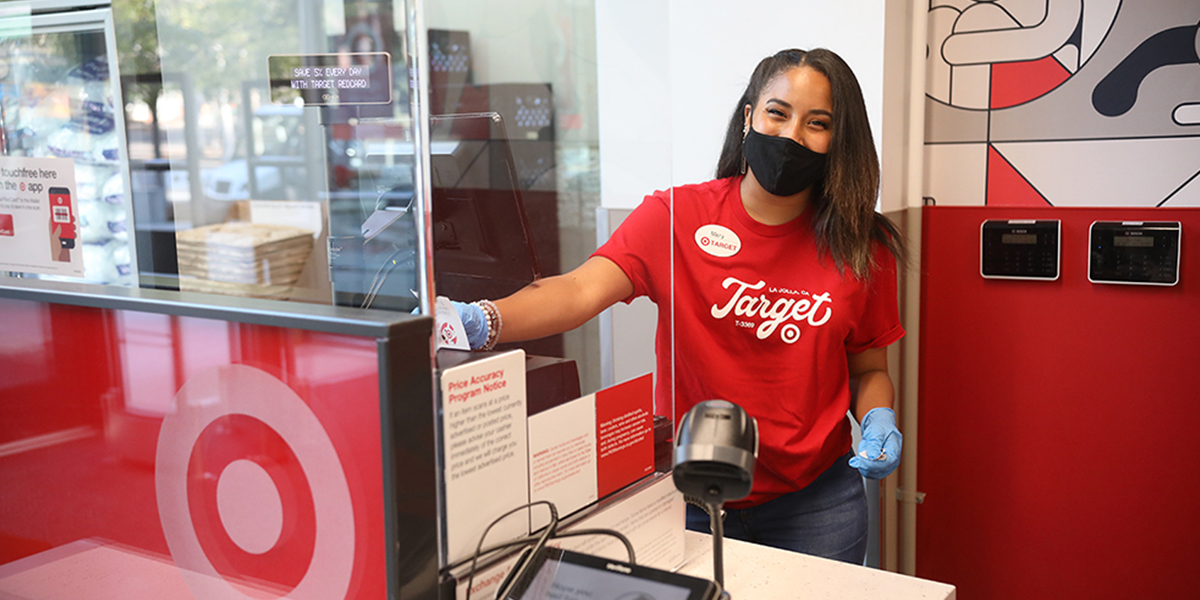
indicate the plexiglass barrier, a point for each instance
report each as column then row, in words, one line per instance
column 267, row 149
column 282, row 162
column 564, row 84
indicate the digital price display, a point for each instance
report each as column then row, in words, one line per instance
column 344, row 79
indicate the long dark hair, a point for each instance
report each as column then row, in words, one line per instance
column 844, row 221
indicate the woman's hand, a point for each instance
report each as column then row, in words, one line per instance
column 871, row 395
column 879, row 451
column 549, row 306
column 474, row 323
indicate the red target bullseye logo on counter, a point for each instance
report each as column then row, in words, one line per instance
column 250, row 503
column 251, row 493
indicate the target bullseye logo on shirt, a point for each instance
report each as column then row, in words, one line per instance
column 718, row 240
column 783, row 306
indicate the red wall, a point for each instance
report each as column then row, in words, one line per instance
column 1058, row 420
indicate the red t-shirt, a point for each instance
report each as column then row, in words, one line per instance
column 760, row 320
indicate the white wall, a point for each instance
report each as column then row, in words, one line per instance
column 670, row 71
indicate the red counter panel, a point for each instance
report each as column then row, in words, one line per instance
column 167, row 456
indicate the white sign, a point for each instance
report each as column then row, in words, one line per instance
column 562, row 455
column 450, row 330
column 39, row 217
column 485, row 452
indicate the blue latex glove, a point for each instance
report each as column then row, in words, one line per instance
column 474, row 323
column 879, row 438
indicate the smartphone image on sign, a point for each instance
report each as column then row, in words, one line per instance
column 61, row 214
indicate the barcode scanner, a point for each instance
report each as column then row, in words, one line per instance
column 715, row 451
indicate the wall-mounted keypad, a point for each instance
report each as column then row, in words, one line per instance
column 1020, row 249
column 1134, row 252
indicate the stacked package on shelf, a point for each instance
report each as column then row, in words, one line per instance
column 244, row 259
column 89, row 138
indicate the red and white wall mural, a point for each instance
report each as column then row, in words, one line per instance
column 1063, row 103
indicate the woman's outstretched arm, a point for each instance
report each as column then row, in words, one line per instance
column 563, row 302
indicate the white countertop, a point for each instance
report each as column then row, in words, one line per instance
column 754, row 572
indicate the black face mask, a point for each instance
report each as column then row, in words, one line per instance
column 780, row 164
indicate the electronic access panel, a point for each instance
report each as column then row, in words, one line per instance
column 1134, row 252
column 1020, row 249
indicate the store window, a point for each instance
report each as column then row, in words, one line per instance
column 64, row 208
column 285, row 181
column 267, row 149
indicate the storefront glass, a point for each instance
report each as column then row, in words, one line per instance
column 277, row 159
column 62, row 148
column 266, row 149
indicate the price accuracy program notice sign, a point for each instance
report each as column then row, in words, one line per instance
column 331, row 79
column 484, row 435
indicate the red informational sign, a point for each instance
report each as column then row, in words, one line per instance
column 155, row 456
column 624, row 434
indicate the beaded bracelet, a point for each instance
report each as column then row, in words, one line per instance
column 494, row 323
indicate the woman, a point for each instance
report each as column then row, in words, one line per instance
column 776, row 288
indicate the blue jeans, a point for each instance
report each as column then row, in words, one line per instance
column 827, row 519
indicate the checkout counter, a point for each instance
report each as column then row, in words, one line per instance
column 218, row 374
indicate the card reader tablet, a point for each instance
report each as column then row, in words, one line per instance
column 556, row 574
